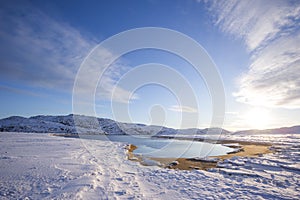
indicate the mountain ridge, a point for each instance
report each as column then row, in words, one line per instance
column 81, row 124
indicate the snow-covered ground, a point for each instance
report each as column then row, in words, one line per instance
column 39, row 166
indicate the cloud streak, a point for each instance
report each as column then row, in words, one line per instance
column 38, row 50
column 20, row 91
column 42, row 52
column 185, row 109
column 270, row 31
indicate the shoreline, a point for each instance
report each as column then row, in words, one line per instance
column 244, row 149
column 214, row 141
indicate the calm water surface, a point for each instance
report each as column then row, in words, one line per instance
column 167, row 148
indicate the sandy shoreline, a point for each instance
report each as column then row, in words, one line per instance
column 248, row 149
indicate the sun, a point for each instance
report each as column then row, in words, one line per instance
column 258, row 118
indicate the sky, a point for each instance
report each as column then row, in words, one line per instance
column 254, row 45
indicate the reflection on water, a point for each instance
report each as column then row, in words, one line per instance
column 166, row 148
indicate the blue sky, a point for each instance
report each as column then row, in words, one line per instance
column 254, row 45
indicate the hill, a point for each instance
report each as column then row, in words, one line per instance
column 74, row 124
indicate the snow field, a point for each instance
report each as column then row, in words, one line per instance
column 36, row 166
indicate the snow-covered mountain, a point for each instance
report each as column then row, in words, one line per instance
column 73, row 124
column 283, row 130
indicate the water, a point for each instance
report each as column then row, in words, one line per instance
column 167, row 148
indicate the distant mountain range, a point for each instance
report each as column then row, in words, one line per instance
column 74, row 124
column 282, row 130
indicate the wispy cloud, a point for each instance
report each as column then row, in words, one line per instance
column 186, row 109
column 21, row 91
column 42, row 52
column 95, row 80
column 231, row 113
column 38, row 50
column 270, row 30
column 109, row 86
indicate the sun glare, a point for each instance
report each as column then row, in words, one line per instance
column 258, row 118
